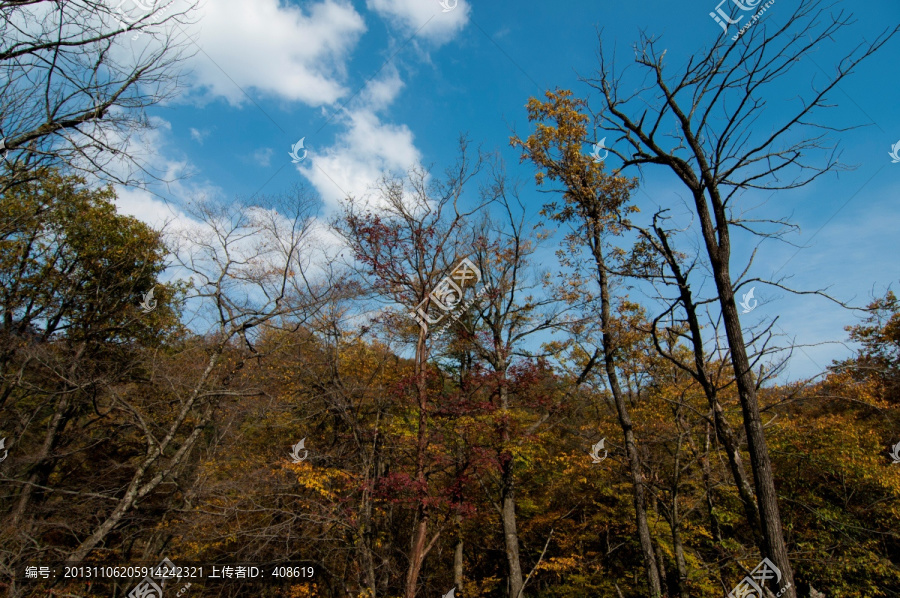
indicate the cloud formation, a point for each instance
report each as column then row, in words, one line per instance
column 366, row 150
column 411, row 15
column 276, row 49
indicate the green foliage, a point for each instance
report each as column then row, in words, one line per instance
column 71, row 266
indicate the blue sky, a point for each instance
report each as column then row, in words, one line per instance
column 384, row 84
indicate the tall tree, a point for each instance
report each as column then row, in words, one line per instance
column 682, row 319
column 597, row 205
column 514, row 309
column 717, row 150
column 408, row 245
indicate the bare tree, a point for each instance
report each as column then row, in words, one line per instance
column 74, row 85
column 718, row 150
column 704, row 367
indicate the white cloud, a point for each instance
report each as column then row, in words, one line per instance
column 263, row 156
column 151, row 147
column 368, row 149
column 276, row 48
column 381, row 93
column 198, row 135
column 410, row 15
column 146, row 207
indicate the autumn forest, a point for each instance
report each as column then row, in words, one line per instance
column 439, row 389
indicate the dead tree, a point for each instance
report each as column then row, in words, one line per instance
column 703, row 369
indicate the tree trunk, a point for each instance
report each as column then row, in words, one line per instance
column 366, row 535
column 724, row 432
column 458, row 559
column 417, row 543
column 511, row 536
column 767, row 498
column 713, row 520
column 679, row 556
column 634, row 463
column 507, row 496
column 675, row 516
column 416, row 552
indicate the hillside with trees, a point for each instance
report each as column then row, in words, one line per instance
column 461, row 396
